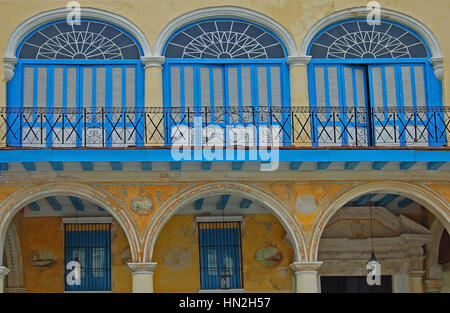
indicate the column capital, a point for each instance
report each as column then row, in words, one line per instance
column 438, row 67
column 152, row 61
column 298, row 60
column 9, row 65
column 3, row 271
column 305, row 266
column 142, row 268
column 432, row 285
column 416, row 274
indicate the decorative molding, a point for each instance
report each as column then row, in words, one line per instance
column 205, row 219
column 9, row 65
column 13, row 256
column 87, row 220
column 438, row 67
column 298, row 60
column 3, row 272
column 142, row 268
column 305, row 266
column 362, row 12
column 226, row 12
column 152, row 61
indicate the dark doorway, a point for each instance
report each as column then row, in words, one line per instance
column 354, row 284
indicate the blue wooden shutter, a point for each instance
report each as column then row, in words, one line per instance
column 340, row 105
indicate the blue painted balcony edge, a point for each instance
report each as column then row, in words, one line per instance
column 239, row 155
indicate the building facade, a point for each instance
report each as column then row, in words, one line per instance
column 233, row 146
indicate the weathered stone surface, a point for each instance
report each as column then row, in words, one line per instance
column 177, row 257
column 43, row 258
column 269, row 256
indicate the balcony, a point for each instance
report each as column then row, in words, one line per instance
column 225, row 126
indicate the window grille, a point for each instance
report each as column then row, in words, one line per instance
column 220, row 255
column 90, row 245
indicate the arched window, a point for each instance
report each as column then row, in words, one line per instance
column 373, row 84
column 228, row 72
column 77, row 85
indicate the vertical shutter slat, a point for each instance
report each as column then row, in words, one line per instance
column 71, row 87
column 175, row 86
column 42, row 87
column 117, row 87
column 275, row 77
column 28, row 87
column 87, row 87
column 130, row 87
column 101, row 87
column 189, row 86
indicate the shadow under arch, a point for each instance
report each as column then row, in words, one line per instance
column 428, row 198
column 287, row 217
column 22, row 197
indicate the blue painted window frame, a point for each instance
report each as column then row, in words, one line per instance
column 224, row 243
column 88, row 241
column 227, row 63
column 433, row 87
column 15, row 89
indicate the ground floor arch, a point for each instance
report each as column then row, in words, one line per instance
column 286, row 216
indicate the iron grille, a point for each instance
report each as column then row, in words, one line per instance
column 90, row 245
column 228, row 126
column 220, row 255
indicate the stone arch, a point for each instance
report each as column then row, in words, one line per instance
column 286, row 216
column 225, row 12
column 434, row 269
column 430, row 199
column 14, row 261
column 362, row 12
column 53, row 15
column 16, row 201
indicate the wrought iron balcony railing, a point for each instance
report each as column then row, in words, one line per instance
column 224, row 126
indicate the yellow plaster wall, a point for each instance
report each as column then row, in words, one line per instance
column 297, row 16
column 259, row 231
column 37, row 233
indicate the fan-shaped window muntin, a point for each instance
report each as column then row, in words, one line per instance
column 224, row 39
column 356, row 39
column 91, row 40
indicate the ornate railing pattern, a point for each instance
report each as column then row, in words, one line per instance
column 246, row 126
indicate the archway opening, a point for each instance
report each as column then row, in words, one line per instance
column 393, row 228
column 223, row 242
column 64, row 243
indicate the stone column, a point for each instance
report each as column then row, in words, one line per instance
column 142, row 276
column 3, row 272
column 432, row 286
column 415, row 281
column 306, row 280
column 298, row 70
column 154, row 100
column 9, row 65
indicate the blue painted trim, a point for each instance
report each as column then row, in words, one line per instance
column 57, row 166
column 433, row 166
column 198, row 204
column 237, row 166
column 116, row 166
column 323, row 165
column 293, row 166
column 175, row 166
column 386, row 200
column 377, row 166
column 404, row 166
column 206, row 166
column 34, row 206
column 405, row 202
column 87, row 166
column 77, row 203
column 54, row 203
column 245, row 203
column 351, row 165
column 363, row 200
column 165, row 155
column 146, row 166
column 221, row 205
column 29, row 166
